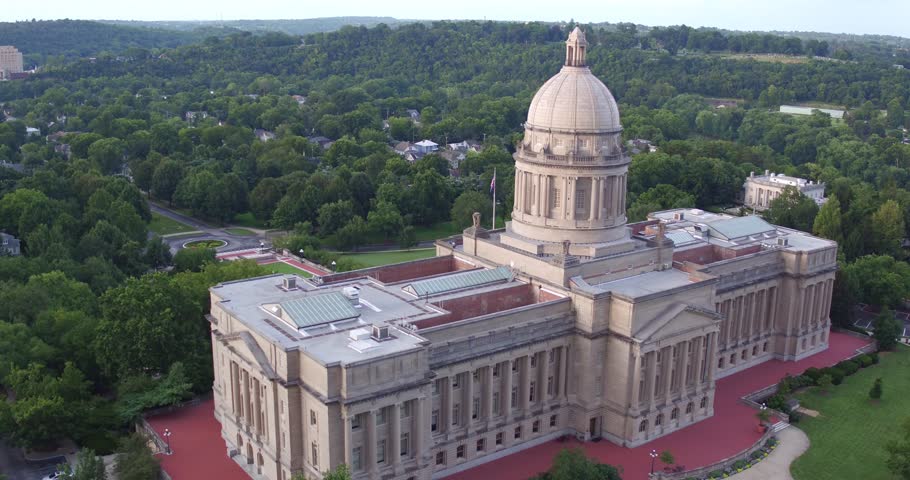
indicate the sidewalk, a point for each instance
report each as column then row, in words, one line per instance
column 793, row 442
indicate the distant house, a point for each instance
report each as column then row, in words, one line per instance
column 403, row 147
column 797, row 110
column 264, row 135
column 426, row 146
column 413, row 114
column 63, row 149
column 300, row 99
column 454, row 157
column 465, row 146
column 639, row 145
column 13, row 166
column 56, row 136
column 9, row 245
column 323, row 142
column 760, row 190
column 192, row 116
column 32, row 132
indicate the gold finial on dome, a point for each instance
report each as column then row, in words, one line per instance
column 575, row 48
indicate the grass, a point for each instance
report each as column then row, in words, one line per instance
column 436, row 231
column 765, row 57
column 848, row 438
column 375, row 259
column 205, row 244
column 240, row 232
column 165, row 226
column 282, row 267
column 248, row 220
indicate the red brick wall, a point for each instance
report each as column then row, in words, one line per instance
column 545, row 296
column 708, row 254
column 474, row 304
column 400, row 272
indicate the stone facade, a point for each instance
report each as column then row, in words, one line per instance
column 760, row 190
column 566, row 322
column 10, row 61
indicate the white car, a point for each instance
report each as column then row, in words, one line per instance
column 56, row 476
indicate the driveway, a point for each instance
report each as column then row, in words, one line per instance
column 207, row 232
column 15, row 467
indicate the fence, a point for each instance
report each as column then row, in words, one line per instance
column 721, row 465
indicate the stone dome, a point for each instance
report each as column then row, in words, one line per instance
column 574, row 100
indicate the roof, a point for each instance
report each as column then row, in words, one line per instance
column 740, row 227
column 681, row 237
column 574, row 100
column 427, row 143
column 458, row 281
column 318, row 309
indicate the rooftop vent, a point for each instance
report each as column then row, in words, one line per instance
column 783, row 241
column 679, row 216
column 381, row 333
column 359, row 334
column 289, row 283
column 276, row 310
column 353, row 295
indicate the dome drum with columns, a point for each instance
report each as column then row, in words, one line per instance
column 570, row 169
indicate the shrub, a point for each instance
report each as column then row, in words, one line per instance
column 794, row 418
column 740, row 464
column 716, row 474
column 756, row 455
column 864, row 360
column 813, row 373
column 849, row 367
column 837, row 375
column 777, row 402
column 876, row 392
column 874, row 357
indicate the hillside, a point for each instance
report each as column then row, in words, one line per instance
column 292, row 27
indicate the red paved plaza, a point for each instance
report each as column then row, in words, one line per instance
column 199, row 451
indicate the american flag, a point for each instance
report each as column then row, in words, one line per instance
column 493, row 184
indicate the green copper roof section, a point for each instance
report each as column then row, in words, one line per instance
column 680, row 237
column 458, row 281
column 740, row 227
column 319, row 309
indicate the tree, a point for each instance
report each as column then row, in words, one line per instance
column 135, row 461
column 167, row 176
column 888, row 229
column 264, row 198
column 107, row 154
column 193, row 259
column 659, row 197
column 352, row 234
column 878, row 280
column 335, row 215
column 895, row 113
column 824, row 383
column 887, row 330
column 157, row 252
column 469, row 202
column 667, row 457
column 763, row 415
column 573, row 464
column 88, row 467
column 792, row 209
column 899, row 453
column 341, row 472
column 875, row 393
column 828, row 221
column 408, row 237
column 385, row 219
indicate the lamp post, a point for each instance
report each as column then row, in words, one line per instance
column 167, row 440
column 333, row 265
column 653, row 455
column 301, row 254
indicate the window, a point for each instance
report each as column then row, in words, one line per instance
column 496, row 403
column 440, row 458
column 642, row 426
column 535, row 427
column 314, row 452
column 436, row 387
column 514, row 396
column 580, row 200
column 380, row 451
column 475, row 407
column 459, row 451
column 356, row 459
column 554, row 198
column 674, row 414
column 499, row 438
column 496, row 370
column 312, row 417
column 475, row 376
column 720, row 363
column 531, row 391
column 742, row 354
column 764, row 347
column 550, row 385
column 514, row 366
column 456, row 412
column 533, row 361
column 704, row 402
column 404, row 444
column 405, row 409
column 434, row 421
column 380, row 416
column 659, row 420
column 518, row 431
column 455, row 381
column 732, row 359
column 481, row 444
column 755, row 350
column 355, row 422
column 689, row 407
column 552, row 420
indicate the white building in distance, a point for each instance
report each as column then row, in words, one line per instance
column 759, row 190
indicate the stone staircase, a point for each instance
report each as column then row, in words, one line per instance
column 779, row 426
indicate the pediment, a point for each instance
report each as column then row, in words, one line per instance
column 677, row 319
column 247, row 347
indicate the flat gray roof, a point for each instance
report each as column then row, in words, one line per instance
column 738, row 227
column 646, row 283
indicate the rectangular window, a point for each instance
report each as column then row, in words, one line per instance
column 514, row 366
column 764, row 347
column 552, row 357
column 531, row 391
column 552, row 420
column 355, row 422
column 518, row 431
column 550, row 385
column 455, row 381
column 434, row 421
column 580, row 200
column 499, row 438
column 314, row 451
column 459, row 452
column 440, row 458
column 535, row 427
column 405, row 409
column 405, row 444
column 496, row 403
column 380, row 416
column 355, row 459
column 456, row 412
column 475, row 408
column 312, row 417
column 496, row 370
column 481, row 444
column 380, row 451
column 436, row 387
column 555, row 200
column 475, row 376
column 514, row 396
column 533, row 361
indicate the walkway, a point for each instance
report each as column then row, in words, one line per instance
column 793, row 442
column 729, row 431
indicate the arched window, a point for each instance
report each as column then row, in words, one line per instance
column 689, row 407
column 704, row 402
column 643, row 426
column 659, row 420
column 674, row 414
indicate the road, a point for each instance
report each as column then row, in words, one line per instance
column 207, row 232
column 15, row 467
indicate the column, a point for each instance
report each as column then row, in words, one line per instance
column 564, row 371
column 747, row 332
column 607, row 202
column 772, row 310
column 809, row 305
column 524, row 385
column 486, row 399
column 826, row 312
column 469, row 398
column 535, row 202
column 395, row 434
column 567, row 212
column 445, row 415
column 370, row 445
column 667, row 372
column 651, row 372
column 699, row 362
column 595, row 199
column 635, row 375
column 420, row 433
column 348, row 444
column 505, row 397
column 762, row 312
column 545, row 196
column 712, row 354
column 543, row 374
column 800, row 304
column 560, row 390
column 684, row 364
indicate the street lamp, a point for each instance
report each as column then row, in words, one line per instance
column 333, row 265
column 301, row 253
column 653, row 455
column 167, row 440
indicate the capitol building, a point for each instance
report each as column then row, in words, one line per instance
column 570, row 321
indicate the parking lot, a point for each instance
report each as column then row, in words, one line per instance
column 864, row 317
column 15, row 467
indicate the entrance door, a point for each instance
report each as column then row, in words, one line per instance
column 593, row 431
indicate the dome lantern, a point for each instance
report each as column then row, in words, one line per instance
column 576, row 45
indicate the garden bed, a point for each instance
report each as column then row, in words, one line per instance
column 205, row 244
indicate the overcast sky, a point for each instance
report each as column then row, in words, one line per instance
column 890, row 17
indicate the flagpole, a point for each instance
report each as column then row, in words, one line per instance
column 494, row 198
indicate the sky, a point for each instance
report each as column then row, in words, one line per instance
column 886, row 17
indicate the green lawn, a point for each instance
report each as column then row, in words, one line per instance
column 848, row 437
column 248, row 220
column 240, row 231
column 435, row 232
column 384, row 258
column 165, row 226
column 205, row 244
column 282, row 267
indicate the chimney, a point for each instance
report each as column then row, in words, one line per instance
column 752, row 174
column 380, row 332
column 767, row 172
